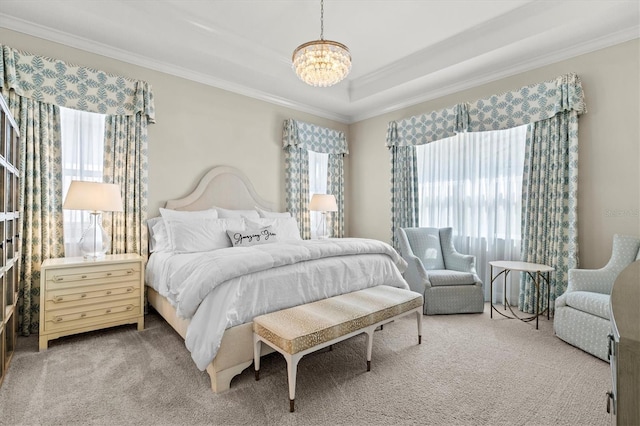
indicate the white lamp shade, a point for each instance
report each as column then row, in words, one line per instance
column 323, row 203
column 95, row 196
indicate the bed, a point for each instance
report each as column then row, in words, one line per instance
column 212, row 324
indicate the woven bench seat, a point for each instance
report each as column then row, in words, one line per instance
column 303, row 329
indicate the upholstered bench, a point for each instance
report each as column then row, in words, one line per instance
column 298, row 331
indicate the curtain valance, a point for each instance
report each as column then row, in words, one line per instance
column 526, row 105
column 425, row 128
column 313, row 138
column 56, row 82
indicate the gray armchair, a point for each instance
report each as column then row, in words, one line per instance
column 582, row 312
column 447, row 279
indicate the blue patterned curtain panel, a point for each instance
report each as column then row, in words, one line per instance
column 298, row 138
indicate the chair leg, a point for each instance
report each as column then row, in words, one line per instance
column 419, row 316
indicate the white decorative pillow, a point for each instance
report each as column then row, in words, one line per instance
column 252, row 237
column 285, row 227
column 227, row 213
column 268, row 214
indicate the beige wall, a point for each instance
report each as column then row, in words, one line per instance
column 199, row 126
column 609, row 155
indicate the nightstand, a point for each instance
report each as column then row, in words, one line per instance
column 78, row 295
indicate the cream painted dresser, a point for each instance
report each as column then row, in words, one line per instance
column 78, row 295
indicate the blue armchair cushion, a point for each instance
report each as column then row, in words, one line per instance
column 589, row 302
column 425, row 244
column 449, row 277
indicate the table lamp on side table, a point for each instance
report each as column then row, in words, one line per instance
column 97, row 197
column 323, row 203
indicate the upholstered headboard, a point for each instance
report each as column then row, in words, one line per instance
column 225, row 187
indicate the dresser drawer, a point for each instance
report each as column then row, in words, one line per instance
column 88, row 294
column 82, row 316
column 76, row 277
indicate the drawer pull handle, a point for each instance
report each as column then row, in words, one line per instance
column 109, row 274
column 56, row 278
column 58, row 319
column 83, row 277
column 83, row 295
column 108, row 292
column 129, row 289
column 130, row 271
column 108, row 311
column 129, row 308
column 58, row 299
column 82, row 315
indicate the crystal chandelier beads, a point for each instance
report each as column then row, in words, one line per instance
column 322, row 63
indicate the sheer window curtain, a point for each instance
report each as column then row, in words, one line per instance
column 473, row 183
column 318, row 169
column 82, row 136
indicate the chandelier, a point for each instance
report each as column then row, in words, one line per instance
column 321, row 63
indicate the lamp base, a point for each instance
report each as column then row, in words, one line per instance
column 95, row 241
column 93, row 256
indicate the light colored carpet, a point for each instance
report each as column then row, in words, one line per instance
column 469, row 370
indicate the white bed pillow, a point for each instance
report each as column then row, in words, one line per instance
column 268, row 214
column 227, row 213
column 201, row 234
column 158, row 237
column 197, row 231
column 151, row 222
column 286, row 228
column 252, row 237
column 168, row 214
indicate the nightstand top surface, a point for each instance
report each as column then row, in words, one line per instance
column 110, row 258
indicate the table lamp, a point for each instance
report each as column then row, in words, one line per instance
column 97, row 197
column 323, row 203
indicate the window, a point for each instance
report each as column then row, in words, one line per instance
column 318, row 163
column 473, row 183
column 82, row 159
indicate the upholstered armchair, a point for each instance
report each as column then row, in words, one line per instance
column 582, row 312
column 447, row 279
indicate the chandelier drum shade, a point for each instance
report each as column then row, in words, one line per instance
column 321, row 63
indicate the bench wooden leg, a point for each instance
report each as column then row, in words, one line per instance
column 369, row 332
column 257, row 346
column 292, row 369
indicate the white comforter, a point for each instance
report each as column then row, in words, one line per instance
column 227, row 287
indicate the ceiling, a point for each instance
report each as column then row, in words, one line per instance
column 404, row 51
